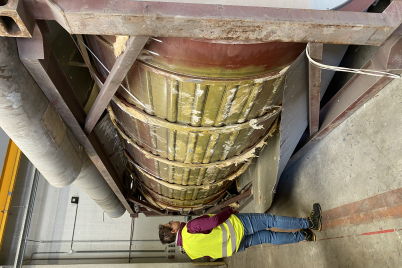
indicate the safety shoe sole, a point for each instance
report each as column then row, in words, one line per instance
column 317, row 207
column 308, row 235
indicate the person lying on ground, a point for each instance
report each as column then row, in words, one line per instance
column 224, row 234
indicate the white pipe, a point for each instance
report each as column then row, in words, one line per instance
column 35, row 126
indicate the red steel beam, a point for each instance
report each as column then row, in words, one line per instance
column 246, row 202
column 225, row 22
column 356, row 92
column 146, row 205
column 241, row 196
column 122, row 65
column 154, row 214
column 51, row 78
column 20, row 23
column 315, row 52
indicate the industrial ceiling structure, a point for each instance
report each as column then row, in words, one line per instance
column 193, row 92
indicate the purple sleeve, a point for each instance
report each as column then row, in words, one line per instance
column 205, row 224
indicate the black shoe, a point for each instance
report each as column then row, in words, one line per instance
column 308, row 234
column 315, row 218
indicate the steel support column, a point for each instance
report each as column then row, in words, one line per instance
column 315, row 52
column 119, row 71
column 356, row 92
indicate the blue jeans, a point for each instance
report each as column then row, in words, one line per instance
column 255, row 233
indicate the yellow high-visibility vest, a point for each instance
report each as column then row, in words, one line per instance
column 223, row 241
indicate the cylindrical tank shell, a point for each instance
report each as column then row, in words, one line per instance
column 181, row 192
column 216, row 58
column 189, row 144
column 179, row 205
column 187, row 106
column 207, row 58
column 208, row 100
column 200, row 101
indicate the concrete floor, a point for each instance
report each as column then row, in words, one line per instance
column 356, row 175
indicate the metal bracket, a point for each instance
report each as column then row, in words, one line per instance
column 15, row 20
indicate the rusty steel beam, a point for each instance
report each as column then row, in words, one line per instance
column 246, row 202
column 148, row 213
column 315, row 51
column 15, row 19
column 38, row 57
column 241, row 196
column 357, row 91
column 146, row 205
column 225, row 22
column 154, row 214
column 122, row 65
column 49, row 75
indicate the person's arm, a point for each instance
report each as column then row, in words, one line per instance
column 205, row 224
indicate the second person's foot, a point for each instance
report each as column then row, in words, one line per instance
column 315, row 218
column 308, row 234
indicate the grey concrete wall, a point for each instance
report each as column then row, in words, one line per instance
column 4, row 139
column 17, row 210
column 53, row 220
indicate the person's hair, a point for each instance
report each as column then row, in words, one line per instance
column 165, row 234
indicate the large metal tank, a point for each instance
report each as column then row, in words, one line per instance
column 192, row 113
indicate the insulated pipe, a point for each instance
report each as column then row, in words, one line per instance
column 30, row 120
column 94, row 185
column 32, row 123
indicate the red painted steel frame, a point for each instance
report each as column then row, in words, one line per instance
column 20, row 22
column 49, row 75
column 115, row 78
column 146, row 205
column 225, row 22
column 356, row 92
column 241, row 196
